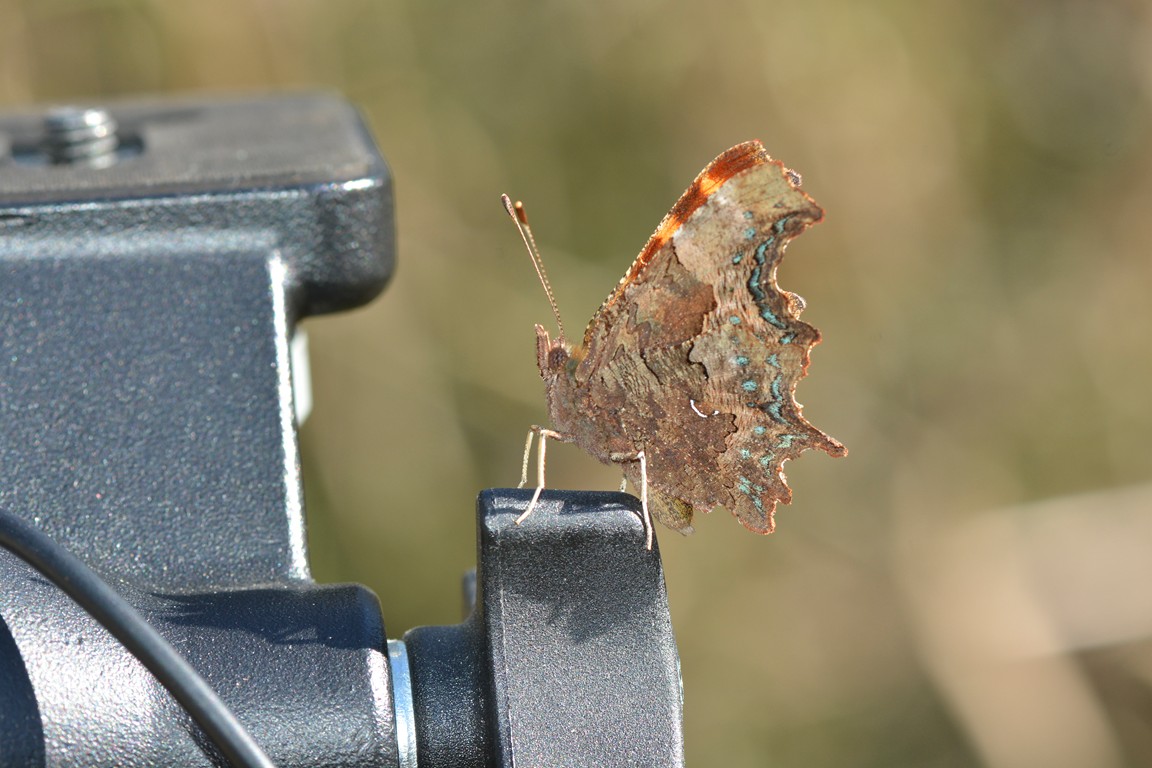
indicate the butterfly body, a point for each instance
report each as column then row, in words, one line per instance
column 694, row 358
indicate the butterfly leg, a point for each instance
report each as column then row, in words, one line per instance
column 527, row 454
column 639, row 456
column 543, row 434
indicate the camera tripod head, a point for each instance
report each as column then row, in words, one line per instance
column 155, row 258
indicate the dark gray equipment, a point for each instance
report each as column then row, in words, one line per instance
column 155, row 258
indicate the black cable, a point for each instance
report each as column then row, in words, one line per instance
column 96, row 597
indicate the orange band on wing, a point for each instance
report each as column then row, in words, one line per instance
column 740, row 158
column 731, row 163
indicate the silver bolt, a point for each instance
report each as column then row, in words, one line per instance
column 80, row 136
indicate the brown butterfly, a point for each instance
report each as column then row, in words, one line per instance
column 686, row 373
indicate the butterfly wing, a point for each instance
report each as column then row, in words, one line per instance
column 638, row 376
column 754, row 348
column 696, row 354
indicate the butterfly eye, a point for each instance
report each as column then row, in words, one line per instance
column 557, row 356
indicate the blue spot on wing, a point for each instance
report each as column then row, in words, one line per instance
column 771, row 407
column 745, row 486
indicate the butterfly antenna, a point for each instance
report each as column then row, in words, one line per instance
column 518, row 214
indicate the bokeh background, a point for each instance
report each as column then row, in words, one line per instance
column 972, row 585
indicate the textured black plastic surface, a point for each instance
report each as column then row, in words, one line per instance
column 197, row 145
column 145, row 391
column 568, row 658
column 147, row 424
column 300, row 666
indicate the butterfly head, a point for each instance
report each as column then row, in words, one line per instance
column 552, row 355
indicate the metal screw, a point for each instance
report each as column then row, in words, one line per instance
column 80, row 136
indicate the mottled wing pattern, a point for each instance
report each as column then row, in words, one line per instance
column 753, row 346
column 696, row 354
column 638, row 368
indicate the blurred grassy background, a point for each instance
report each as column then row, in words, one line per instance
column 981, row 280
